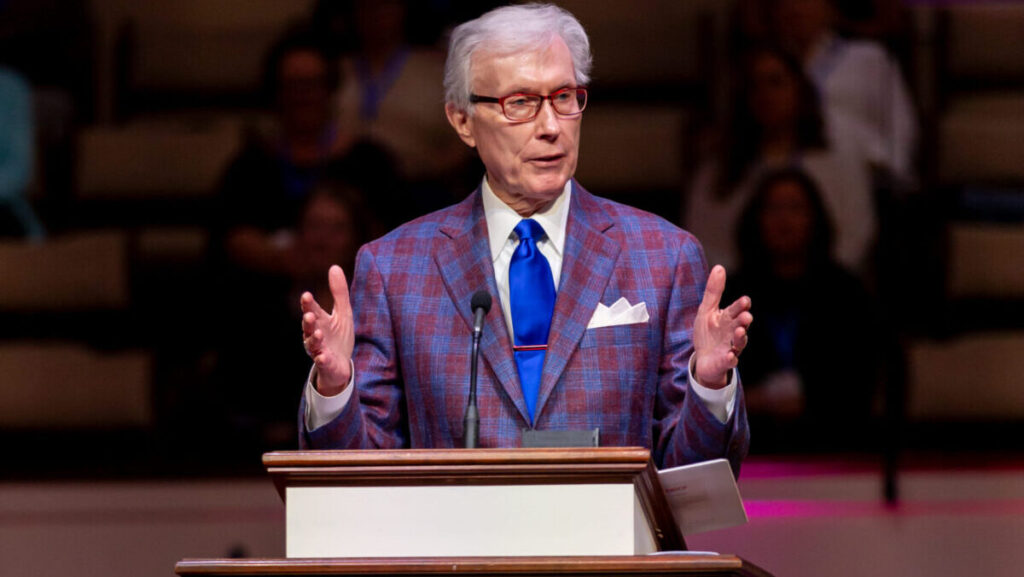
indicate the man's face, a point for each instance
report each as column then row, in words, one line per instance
column 528, row 163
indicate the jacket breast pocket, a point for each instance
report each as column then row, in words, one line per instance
column 636, row 335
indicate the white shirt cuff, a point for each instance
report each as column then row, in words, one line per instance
column 321, row 410
column 720, row 402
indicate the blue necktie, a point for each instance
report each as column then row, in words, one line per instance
column 531, row 291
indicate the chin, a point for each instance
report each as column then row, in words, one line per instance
column 545, row 195
column 548, row 188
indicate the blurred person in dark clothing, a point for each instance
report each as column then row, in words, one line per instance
column 331, row 226
column 274, row 229
column 799, row 386
column 266, row 185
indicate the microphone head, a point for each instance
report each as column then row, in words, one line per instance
column 481, row 300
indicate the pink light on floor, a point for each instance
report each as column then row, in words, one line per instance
column 775, row 468
column 770, row 509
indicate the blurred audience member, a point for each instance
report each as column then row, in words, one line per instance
column 265, row 187
column 426, row 21
column 392, row 97
column 881, row 20
column 751, row 24
column 261, row 353
column 50, row 42
column 809, row 369
column 777, row 122
column 277, row 229
column 333, row 225
column 17, row 154
column 858, row 82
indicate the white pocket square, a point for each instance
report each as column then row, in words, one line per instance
column 620, row 313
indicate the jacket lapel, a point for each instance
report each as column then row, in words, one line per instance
column 464, row 261
column 587, row 264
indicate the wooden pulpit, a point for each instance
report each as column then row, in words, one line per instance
column 593, row 511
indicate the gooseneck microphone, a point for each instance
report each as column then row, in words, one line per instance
column 480, row 303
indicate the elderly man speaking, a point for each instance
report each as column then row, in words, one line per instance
column 605, row 320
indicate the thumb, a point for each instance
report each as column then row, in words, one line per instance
column 339, row 289
column 714, row 289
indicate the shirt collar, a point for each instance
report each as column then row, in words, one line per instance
column 501, row 219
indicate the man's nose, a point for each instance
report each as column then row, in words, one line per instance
column 547, row 120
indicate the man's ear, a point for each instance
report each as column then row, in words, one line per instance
column 462, row 122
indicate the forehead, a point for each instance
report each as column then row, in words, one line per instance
column 301, row 59
column 786, row 191
column 539, row 70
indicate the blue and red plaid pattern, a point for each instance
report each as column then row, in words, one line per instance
column 411, row 293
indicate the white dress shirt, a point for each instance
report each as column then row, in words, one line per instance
column 860, row 82
column 501, row 220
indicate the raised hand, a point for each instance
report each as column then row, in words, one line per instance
column 329, row 338
column 719, row 335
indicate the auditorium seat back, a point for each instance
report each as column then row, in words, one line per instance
column 77, row 272
column 66, row 385
column 150, row 159
column 975, row 376
column 985, row 261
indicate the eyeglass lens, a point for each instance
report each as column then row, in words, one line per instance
column 526, row 106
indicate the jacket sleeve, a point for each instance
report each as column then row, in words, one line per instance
column 685, row 431
column 375, row 415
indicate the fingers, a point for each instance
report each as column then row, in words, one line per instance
column 739, row 306
column 308, row 324
column 714, row 289
column 314, row 344
column 339, row 289
column 309, row 305
column 738, row 342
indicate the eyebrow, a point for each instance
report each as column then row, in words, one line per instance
column 522, row 90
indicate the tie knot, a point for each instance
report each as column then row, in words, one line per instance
column 529, row 228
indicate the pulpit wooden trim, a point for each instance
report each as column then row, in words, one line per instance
column 632, row 566
column 455, row 466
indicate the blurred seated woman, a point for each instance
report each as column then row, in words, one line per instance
column 812, row 370
column 777, row 122
column 266, row 186
column 260, row 358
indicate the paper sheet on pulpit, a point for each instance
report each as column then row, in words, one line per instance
column 703, row 496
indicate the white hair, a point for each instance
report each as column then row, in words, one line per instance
column 507, row 30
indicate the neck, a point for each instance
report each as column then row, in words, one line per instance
column 304, row 146
column 524, row 207
column 789, row 267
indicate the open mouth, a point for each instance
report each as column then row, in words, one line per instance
column 549, row 158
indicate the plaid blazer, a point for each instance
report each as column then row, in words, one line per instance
column 411, row 300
